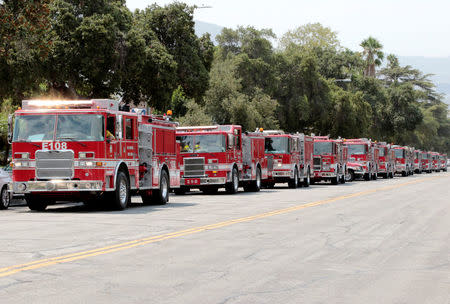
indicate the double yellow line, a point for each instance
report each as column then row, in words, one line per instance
column 10, row 270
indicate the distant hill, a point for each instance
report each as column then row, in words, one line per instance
column 439, row 66
column 205, row 27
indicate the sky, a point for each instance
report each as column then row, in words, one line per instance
column 404, row 27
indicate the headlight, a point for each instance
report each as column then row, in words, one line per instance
column 22, row 187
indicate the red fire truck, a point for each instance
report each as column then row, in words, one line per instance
column 219, row 156
column 330, row 160
column 363, row 158
column 417, row 164
column 435, row 161
column 403, row 160
column 426, row 161
column 386, row 160
column 292, row 158
column 443, row 162
column 88, row 150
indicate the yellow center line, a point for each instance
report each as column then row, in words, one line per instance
column 10, row 270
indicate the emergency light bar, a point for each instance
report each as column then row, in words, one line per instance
column 224, row 128
column 273, row 132
column 39, row 104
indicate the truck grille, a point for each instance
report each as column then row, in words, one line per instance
column 194, row 166
column 54, row 164
column 317, row 163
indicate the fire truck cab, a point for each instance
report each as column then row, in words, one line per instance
column 219, row 156
column 292, row 158
column 386, row 160
column 90, row 151
column 363, row 158
column 330, row 160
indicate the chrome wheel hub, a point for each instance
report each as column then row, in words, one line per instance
column 123, row 192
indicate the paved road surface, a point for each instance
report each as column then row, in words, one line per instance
column 386, row 241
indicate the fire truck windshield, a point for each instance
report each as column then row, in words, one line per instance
column 31, row 128
column 35, row 128
column 202, row 143
column 86, row 127
column 356, row 149
column 276, row 145
column 382, row 152
column 399, row 153
column 323, row 147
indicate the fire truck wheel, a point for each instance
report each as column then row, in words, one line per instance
column 374, row 176
column 121, row 196
column 403, row 173
column 335, row 180
column 307, row 180
column 343, row 179
column 254, row 186
column 233, row 186
column 367, row 176
column 161, row 195
column 352, row 175
column 293, row 183
column 34, row 203
column 6, row 198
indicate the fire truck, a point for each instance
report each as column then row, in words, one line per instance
column 426, row 161
column 386, row 160
column 292, row 158
column 435, row 161
column 330, row 160
column 443, row 162
column 403, row 160
column 214, row 157
column 363, row 158
column 90, row 151
column 417, row 164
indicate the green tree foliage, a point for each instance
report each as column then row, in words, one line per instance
column 311, row 35
column 372, row 54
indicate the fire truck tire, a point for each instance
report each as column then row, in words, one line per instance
column 343, row 179
column 35, row 204
column 254, row 186
column 335, row 180
column 374, row 176
column 404, row 173
column 307, row 180
column 233, row 186
column 366, row 176
column 6, row 198
column 352, row 175
column 119, row 198
column 293, row 183
column 161, row 196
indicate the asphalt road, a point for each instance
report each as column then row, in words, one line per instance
column 385, row 241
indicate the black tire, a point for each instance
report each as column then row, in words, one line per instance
column 5, row 197
column 120, row 197
column 160, row 196
column 307, row 180
column 374, row 176
column 343, row 179
column 335, row 180
column 385, row 175
column 293, row 183
column 34, row 203
column 352, row 175
column 367, row 176
column 233, row 186
column 254, row 186
column 404, row 173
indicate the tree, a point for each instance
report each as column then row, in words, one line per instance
column 311, row 35
column 373, row 55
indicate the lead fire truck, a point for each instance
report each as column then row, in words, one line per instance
column 292, row 158
column 386, row 160
column 88, row 150
column 363, row 158
column 214, row 157
column 330, row 160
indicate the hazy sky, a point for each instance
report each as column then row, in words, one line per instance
column 404, row 27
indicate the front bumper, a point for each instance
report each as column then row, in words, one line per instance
column 55, row 186
column 324, row 174
column 286, row 173
column 202, row 181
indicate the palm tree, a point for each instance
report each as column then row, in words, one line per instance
column 373, row 55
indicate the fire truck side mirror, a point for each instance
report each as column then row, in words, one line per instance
column 10, row 128
column 118, row 126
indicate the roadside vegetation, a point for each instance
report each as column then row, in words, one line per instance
column 308, row 83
